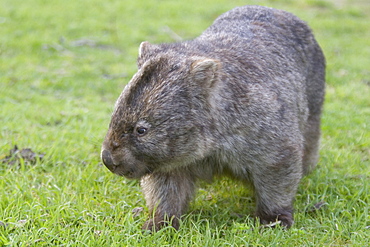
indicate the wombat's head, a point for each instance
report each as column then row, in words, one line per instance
column 162, row 117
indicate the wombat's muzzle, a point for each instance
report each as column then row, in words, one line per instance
column 107, row 160
column 118, row 168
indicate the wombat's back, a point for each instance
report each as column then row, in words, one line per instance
column 263, row 33
column 278, row 50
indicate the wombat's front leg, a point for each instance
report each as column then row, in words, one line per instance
column 167, row 196
column 276, row 187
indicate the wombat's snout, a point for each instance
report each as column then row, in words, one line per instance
column 107, row 159
column 120, row 165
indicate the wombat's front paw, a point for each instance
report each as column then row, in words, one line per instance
column 156, row 224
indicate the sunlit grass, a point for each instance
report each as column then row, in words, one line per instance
column 64, row 63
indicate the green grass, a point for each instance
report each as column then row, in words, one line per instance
column 64, row 63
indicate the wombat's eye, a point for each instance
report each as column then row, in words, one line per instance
column 141, row 130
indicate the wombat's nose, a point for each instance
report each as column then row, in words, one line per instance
column 107, row 159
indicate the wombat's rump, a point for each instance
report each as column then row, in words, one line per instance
column 242, row 99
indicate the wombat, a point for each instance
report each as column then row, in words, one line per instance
column 243, row 99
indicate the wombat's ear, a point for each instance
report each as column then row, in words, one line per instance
column 144, row 48
column 144, row 52
column 205, row 71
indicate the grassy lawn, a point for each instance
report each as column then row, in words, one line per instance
column 64, row 63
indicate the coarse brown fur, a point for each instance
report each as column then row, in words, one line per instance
column 244, row 98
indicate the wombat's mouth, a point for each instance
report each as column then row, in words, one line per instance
column 126, row 174
column 130, row 174
column 120, row 171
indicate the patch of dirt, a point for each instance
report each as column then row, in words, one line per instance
column 16, row 155
column 316, row 207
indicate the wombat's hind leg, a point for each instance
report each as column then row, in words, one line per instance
column 167, row 196
column 275, row 188
column 312, row 137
